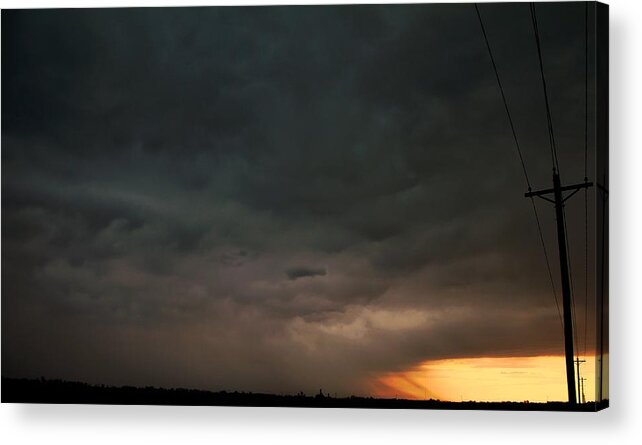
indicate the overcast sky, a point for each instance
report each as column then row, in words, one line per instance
column 281, row 199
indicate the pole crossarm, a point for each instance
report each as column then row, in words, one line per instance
column 575, row 188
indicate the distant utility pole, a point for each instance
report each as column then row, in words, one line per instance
column 582, row 380
column 559, row 199
column 426, row 389
column 578, row 362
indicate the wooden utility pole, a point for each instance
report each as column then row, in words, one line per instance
column 582, row 380
column 558, row 200
column 578, row 362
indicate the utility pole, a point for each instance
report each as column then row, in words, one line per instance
column 426, row 390
column 578, row 362
column 558, row 200
column 582, row 380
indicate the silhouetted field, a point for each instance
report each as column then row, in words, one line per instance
column 64, row 392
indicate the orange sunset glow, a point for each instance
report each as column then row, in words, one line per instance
column 536, row 379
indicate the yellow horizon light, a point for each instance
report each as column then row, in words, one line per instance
column 488, row 379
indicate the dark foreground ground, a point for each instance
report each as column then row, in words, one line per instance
column 58, row 391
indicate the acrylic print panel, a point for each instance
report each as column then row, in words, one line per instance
column 379, row 206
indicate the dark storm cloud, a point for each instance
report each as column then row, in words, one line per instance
column 171, row 176
column 295, row 273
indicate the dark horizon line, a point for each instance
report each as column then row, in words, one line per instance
column 58, row 391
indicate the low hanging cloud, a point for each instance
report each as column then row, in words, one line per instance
column 294, row 273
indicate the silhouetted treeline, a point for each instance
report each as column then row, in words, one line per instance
column 59, row 391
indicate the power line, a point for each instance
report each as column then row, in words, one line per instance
column 586, row 55
column 585, row 174
column 585, row 268
column 573, row 305
column 501, row 89
column 521, row 158
column 568, row 297
column 548, row 264
column 549, row 119
column 570, row 275
column 603, row 256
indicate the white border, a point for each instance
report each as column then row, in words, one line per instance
column 170, row 425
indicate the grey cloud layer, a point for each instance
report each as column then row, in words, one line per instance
column 275, row 198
